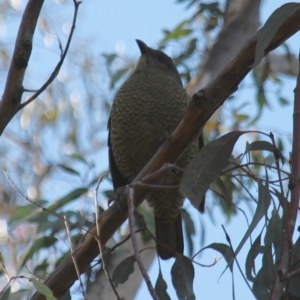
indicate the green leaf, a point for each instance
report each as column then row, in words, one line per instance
column 264, row 200
column 271, row 27
column 213, row 8
column 6, row 294
column 267, row 146
column 225, row 251
column 67, row 198
column 184, row 55
column 241, row 117
column 2, row 264
column 109, row 193
column 117, row 76
column 206, row 167
column 189, row 228
column 23, row 211
column 261, row 99
column 43, row 242
column 178, row 32
column 266, row 274
column 191, row 48
column 41, row 269
column 183, row 273
column 78, row 156
column 43, row 289
column 161, row 288
column 109, row 58
column 259, row 288
column 123, row 270
column 68, row 169
column 254, row 251
column 274, row 233
column 283, row 101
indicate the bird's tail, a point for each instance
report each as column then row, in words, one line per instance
column 169, row 237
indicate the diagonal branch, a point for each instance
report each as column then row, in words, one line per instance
column 202, row 106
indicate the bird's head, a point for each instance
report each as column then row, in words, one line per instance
column 157, row 60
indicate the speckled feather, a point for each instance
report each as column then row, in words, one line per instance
column 145, row 110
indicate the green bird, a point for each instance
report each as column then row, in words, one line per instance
column 147, row 107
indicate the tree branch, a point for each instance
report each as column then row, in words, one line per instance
column 13, row 91
column 202, row 106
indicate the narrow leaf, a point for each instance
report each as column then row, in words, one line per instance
column 43, row 242
column 271, row 27
column 254, row 251
column 109, row 58
column 189, row 229
column 23, row 211
column 117, row 76
column 267, row 146
column 161, row 288
column 183, row 273
column 264, row 200
column 43, row 289
column 225, row 251
column 68, row 169
column 67, row 198
column 78, row 156
column 123, row 270
column 6, row 294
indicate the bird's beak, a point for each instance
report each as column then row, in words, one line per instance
column 143, row 47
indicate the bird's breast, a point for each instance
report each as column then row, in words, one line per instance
column 144, row 113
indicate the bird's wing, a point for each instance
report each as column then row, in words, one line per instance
column 117, row 178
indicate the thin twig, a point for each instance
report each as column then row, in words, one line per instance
column 59, row 64
column 99, row 242
column 237, row 166
column 73, row 258
column 137, row 255
column 207, row 266
column 234, row 205
column 121, row 243
column 42, row 207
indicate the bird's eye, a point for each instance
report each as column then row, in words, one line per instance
column 160, row 60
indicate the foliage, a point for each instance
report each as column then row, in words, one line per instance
column 52, row 149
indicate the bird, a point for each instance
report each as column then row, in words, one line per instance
column 146, row 108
